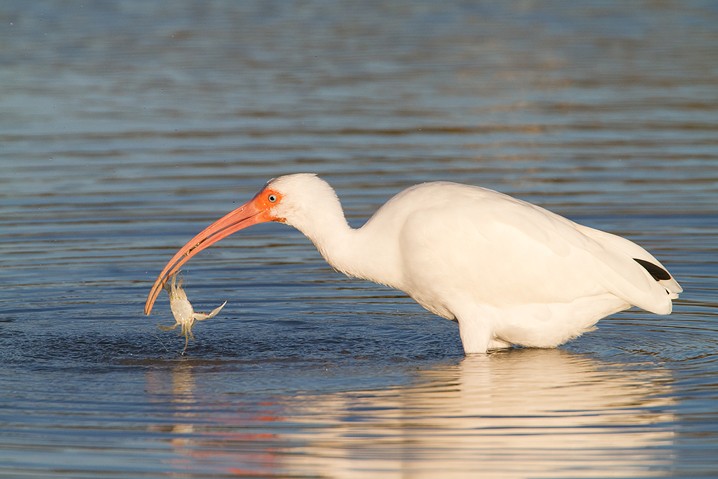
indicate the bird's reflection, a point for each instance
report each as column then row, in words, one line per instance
column 543, row 412
column 536, row 412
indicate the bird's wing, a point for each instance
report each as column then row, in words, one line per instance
column 606, row 259
column 508, row 251
column 629, row 248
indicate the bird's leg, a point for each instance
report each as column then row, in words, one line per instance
column 475, row 330
column 498, row 344
column 168, row 328
column 474, row 337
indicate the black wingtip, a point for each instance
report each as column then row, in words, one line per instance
column 656, row 271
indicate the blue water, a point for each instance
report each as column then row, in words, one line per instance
column 127, row 127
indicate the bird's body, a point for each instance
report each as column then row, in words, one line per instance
column 510, row 273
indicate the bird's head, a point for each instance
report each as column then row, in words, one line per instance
column 287, row 199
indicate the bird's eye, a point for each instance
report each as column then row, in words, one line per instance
column 272, row 198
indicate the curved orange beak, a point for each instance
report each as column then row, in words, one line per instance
column 257, row 210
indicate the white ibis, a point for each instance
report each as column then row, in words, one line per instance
column 509, row 272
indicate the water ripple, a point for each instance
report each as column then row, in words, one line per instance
column 127, row 127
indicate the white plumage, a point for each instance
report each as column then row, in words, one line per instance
column 510, row 273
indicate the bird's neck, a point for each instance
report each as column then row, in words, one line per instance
column 355, row 252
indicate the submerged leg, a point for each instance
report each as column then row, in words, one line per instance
column 476, row 328
column 475, row 336
column 498, row 344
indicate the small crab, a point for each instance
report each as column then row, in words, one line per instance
column 182, row 310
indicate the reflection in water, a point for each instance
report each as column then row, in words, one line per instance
column 125, row 126
column 209, row 435
column 547, row 412
column 182, row 392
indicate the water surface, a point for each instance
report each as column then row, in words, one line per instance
column 127, row 127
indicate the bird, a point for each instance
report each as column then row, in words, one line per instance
column 510, row 273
